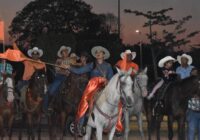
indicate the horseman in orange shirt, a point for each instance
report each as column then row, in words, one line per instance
column 126, row 62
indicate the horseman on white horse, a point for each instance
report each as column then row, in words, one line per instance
column 100, row 72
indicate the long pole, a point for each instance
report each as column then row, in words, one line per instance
column 119, row 19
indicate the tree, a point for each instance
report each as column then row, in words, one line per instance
column 51, row 23
column 57, row 16
column 169, row 39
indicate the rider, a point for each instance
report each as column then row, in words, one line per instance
column 166, row 64
column 185, row 67
column 6, row 68
column 126, row 62
column 61, row 74
column 30, row 66
column 100, row 73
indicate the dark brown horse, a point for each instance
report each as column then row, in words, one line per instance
column 33, row 103
column 65, row 103
column 6, row 108
column 174, row 105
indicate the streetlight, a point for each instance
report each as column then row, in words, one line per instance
column 140, row 43
column 119, row 19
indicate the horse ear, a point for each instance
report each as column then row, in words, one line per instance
column 145, row 70
column 118, row 70
column 130, row 71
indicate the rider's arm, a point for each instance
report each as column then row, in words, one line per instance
column 81, row 70
column 110, row 72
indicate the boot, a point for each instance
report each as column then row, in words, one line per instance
column 50, row 105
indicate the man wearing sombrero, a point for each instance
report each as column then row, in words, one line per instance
column 61, row 75
column 126, row 62
column 29, row 68
column 100, row 73
column 168, row 74
column 185, row 67
column 35, row 54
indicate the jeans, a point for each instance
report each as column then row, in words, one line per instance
column 53, row 88
column 193, row 119
column 21, row 84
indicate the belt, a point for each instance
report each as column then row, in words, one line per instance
column 197, row 111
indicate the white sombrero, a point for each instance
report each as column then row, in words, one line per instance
column 100, row 48
column 35, row 50
column 74, row 55
column 164, row 60
column 62, row 48
column 185, row 56
column 128, row 52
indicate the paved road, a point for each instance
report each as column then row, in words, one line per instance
column 133, row 136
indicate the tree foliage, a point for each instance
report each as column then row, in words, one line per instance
column 169, row 40
column 51, row 23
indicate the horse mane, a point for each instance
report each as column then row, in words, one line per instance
column 110, row 83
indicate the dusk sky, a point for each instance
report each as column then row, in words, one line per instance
column 130, row 23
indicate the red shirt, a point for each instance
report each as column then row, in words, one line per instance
column 126, row 66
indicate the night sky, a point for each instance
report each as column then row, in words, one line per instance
column 130, row 23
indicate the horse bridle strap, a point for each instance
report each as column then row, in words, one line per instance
column 110, row 118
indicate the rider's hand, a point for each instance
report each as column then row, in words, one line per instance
column 67, row 66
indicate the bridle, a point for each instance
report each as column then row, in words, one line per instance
column 137, row 83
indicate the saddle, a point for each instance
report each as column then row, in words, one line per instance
column 159, row 107
column 162, row 91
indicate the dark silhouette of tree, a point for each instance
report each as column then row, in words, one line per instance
column 51, row 23
column 169, row 39
column 57, row 16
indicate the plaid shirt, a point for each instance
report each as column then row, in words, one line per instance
column 194, row 104
column 8, row 69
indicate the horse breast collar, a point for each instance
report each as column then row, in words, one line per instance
column 110, row 118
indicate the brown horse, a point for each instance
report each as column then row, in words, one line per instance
column 173, row 104
column 6, row 108
column 65, row 103
column 33, row 103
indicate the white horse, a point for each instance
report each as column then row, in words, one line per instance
column 139, row 91
column 105, row 112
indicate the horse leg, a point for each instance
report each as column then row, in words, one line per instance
column 111, row 134
column 10, row 124
column 170, row 127
column 99, row 132
column 149, row 118
column 21, row 126
column 126, row 119
column 39, row 127
column 62, row 126
column 88, row 133
column 50, row 125
column 158, row 122
column 181, row 128
column 1, row 128
column 140, row 125
column 30, row 126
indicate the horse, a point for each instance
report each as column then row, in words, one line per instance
column 65, row 105
column 6, row 108
column 32, row 106
column 174, row 105
column 140, row 81
column 105, row 110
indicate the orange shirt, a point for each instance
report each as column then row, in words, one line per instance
column 30, row 68
column 126, row 66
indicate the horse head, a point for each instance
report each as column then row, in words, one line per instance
column 125, row 84
column 38, row 82
column 140, row 82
